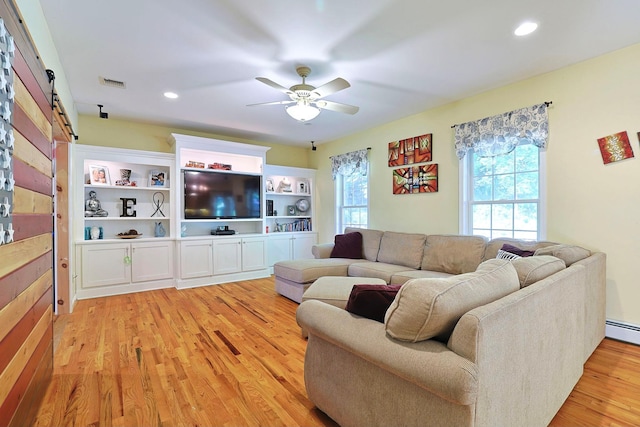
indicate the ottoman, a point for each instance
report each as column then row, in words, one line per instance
column 335, row 290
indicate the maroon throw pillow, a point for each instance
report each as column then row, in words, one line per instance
column 371, row 301
column 517, row 251
column 347, row 245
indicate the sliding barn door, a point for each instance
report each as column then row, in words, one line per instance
column 26, row 258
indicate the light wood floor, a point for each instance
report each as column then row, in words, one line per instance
column 232, row 355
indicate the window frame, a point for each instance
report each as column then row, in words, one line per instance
column 339, row 203
column 466, row 194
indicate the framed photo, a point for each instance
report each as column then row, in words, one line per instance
column 270, row 187
column 303, row 187
column 291, row 210
column 157, row 178
column 99, row 175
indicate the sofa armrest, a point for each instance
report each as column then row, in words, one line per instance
column 528, row 347
column 427, row 364
column 322, row 250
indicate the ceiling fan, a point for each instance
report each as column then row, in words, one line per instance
column 305, row 100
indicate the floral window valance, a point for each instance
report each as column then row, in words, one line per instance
column 350, row 163
column 501, row 134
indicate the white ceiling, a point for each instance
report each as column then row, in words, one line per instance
column 400, row 56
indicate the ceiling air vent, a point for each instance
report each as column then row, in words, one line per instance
column 112, row 83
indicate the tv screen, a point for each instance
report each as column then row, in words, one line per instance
column 221, row 195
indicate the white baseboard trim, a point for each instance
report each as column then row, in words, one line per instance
column 623, row 331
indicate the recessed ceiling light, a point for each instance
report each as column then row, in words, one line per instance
column 171, row 95
column 525, row 28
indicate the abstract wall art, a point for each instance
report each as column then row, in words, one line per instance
column 411, row 150
column 615, row 147
column 416, row 179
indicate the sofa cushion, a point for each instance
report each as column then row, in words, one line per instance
column 535, row 268
column 308, row 270
column 335, row 290
column 370, row 241
column 402, row 249
column 428, row 308
column 371, row 301
column 453, row 254
column 379, row 270
column 493, row 246
column 404, row 276
column 347, row 246
column 568, row 253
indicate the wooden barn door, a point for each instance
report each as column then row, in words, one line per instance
column 26, row 263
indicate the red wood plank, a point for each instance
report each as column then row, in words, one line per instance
column 37, row 384
column 30, row 225
column 18, row 280
column 31, row 178
column 21, row 69
column 11, row 343
column 23, row 124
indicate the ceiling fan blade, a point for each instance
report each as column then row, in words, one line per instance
column 333, row 86
column 336, row 106
column 274, row 85
column 272, row 103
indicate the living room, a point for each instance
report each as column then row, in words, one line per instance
column 588, row 203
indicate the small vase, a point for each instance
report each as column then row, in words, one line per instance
column 160, row 231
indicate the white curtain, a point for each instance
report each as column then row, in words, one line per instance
column 350, row 163
column 501, row 134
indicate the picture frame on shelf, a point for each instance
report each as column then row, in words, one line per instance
column 99, row 175
column 269, row 186
column 291, row 210
column 157, row 178
column 303, row 187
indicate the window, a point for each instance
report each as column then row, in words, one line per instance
column 350, row 171
column 352, row 201
column 502, row 195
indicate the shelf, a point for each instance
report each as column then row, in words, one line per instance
column 273, row 193
column 126, row 187
column 222, row 219
column 220, row 171
column 125, row 218
column 116, row 240
column 288, row 217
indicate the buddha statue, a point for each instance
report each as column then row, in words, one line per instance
column 92, row 206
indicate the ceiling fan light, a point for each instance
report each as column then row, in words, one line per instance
column 303, row 112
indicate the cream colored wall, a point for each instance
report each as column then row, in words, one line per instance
column 588, row 203
column 32, row 14
column 143, row 136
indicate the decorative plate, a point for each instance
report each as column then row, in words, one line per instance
column 302, row 205
column 129, row 236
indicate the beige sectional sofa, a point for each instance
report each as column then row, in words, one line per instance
column 468, row 340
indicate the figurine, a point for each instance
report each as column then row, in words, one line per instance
column 92, row 206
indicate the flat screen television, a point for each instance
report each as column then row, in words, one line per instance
column 221, row 195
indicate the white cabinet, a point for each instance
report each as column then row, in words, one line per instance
column 221, row 259
column 227, row 256
column 151, row 261
column 254, row 253
column 108, row 268
column 290, row 246
column 117, row 190
column 105, row 265
column 196, row 258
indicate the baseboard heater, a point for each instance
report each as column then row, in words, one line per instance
column 623, row 331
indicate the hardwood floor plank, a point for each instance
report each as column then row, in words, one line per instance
column 232, row 355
